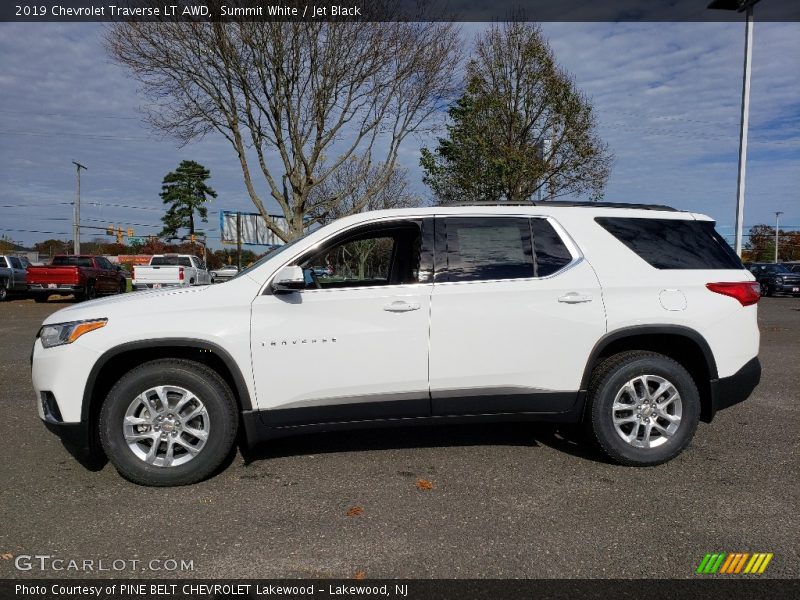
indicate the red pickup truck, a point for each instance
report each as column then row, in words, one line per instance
column 82, row 276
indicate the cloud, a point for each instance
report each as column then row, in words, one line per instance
column 667, row 98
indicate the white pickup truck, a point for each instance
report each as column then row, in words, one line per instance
column 170, row 270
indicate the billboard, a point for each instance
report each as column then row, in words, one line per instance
column 253, row 231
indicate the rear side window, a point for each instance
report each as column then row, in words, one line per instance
column 15, row 262
column 488, row 248
column 550, row 252
column 673, row 244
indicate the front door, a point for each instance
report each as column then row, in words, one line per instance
column 353, row 345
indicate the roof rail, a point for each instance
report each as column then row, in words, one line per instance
column 568, row 203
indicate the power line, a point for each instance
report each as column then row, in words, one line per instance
column 79, row 135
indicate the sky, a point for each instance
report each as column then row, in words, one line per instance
column 667, row 97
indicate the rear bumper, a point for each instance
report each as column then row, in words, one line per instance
column 43, row 288
column 737, row 388
column 151, row 286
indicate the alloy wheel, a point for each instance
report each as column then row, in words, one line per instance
column 166, row 426
column 647, row 411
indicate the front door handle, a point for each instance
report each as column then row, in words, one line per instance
column 401, row 306
column 574, row 298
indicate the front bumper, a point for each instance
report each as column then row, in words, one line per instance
column 737, row 388
column 786, row 288
column 73, row 435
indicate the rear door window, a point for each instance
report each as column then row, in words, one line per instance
column 488, row 248
column 673, row 243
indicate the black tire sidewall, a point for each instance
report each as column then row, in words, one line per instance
column 606, row 392
column 201, row 382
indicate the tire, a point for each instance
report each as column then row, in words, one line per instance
column 3, row 290
column 609, row 389
column 41, row 298
column 89, row 292
column 123, row 287
column 217, row 417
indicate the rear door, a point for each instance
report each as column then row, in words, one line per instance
column 515, row 312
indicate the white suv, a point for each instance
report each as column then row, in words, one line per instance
column 636, row 320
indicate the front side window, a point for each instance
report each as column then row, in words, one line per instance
column 480, row 249
column 372, row 256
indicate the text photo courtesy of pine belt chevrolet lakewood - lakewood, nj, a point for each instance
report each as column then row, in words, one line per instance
column 399, row 299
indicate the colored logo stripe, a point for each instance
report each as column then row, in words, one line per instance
column 734, row 563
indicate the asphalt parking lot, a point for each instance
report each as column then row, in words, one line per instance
column 518, row 501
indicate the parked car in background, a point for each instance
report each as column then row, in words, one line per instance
column 85, row 277
column 224, row 273
column 170, row 270
column 776, row 279
column 13, row 274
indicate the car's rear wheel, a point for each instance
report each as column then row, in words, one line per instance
column 644, row 408
column 3, row 290
column 168, row 422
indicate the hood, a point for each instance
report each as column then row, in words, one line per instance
column 140, row 302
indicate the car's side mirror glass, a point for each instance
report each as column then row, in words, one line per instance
column 289, row 279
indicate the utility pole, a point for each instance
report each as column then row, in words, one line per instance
column 778, row 214
column 76, row 213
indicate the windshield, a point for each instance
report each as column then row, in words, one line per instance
column 771, row 269
column 269, row 256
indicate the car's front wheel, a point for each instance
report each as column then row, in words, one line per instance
column 644, row 408
column 168, row 422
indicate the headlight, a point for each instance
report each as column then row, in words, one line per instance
column 59, row 334
column 779, row 280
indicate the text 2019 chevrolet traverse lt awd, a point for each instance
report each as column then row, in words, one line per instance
column 636, row 320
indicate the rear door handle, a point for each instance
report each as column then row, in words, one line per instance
column 401, row 306
column 574, row 298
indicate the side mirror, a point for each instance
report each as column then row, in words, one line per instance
column 289, row 279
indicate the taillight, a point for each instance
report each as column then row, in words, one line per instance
column 746, row 292
column 180, row 273
column 133, row 275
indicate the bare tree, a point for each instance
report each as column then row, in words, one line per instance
column 298, row 101
column 343, row 193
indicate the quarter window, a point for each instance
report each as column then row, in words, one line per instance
column 550, row 252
